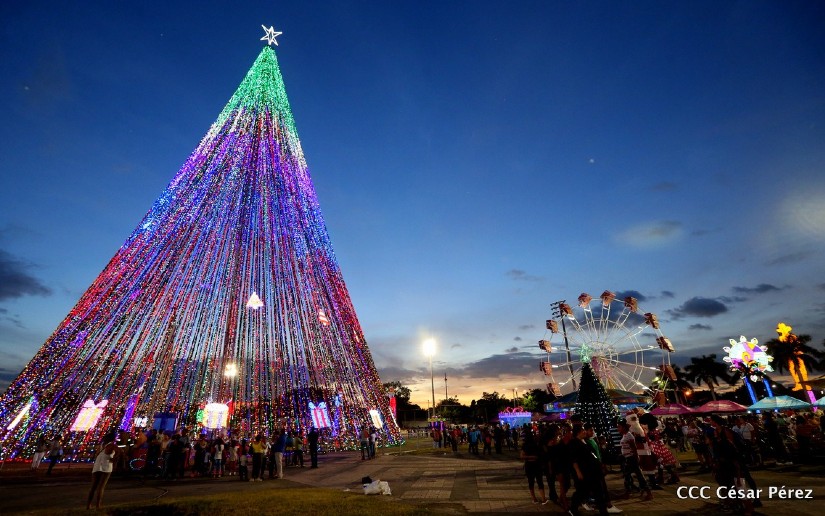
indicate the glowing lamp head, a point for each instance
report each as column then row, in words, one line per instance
column 231, row 370
column 429, row 347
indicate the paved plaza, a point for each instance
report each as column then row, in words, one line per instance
column 441, row 483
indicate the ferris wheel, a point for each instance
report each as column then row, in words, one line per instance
column 624, row 345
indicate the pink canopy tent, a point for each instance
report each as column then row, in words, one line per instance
column 674, row 409
column 720, row 406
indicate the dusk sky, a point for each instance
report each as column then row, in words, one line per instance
column 474, row 161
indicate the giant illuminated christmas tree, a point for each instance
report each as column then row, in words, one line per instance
column 226, row 300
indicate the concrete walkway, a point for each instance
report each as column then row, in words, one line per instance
column 444, row 483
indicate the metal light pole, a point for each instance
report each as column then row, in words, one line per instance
column 429, row 351
column 557, row 313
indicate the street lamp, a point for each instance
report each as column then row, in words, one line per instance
column 429, row 351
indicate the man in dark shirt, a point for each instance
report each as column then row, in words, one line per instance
column 588, row 473
column 560, row 460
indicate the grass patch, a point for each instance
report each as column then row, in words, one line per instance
column 303, row 501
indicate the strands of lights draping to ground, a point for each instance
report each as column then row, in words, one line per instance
column 231, row 266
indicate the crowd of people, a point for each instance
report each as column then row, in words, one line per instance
column 488, row 437
column 180, row 454
column 571, row 458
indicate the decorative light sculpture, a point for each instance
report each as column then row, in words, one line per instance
column 215, row 415
column 796, row 365
column 748, row 358
column 89, row 416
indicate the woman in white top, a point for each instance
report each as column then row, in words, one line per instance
column 101, row 471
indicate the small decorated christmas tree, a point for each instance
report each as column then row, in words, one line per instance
column 593, row 404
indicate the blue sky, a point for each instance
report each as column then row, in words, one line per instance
column 474, row 161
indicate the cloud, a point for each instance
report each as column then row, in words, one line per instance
column 495, row 366
column 668, row 294
column 514, row 349
column 786, row 259
column 405, row 376
column 821, row 286
column 729, row 299
column 651, row 234
column 699, row 307
column 631, row 293
column 759, row 289
column 517, row 339
column 455, row 346
column 699, row 327
column 520, row 275
column 525, row 327
column 15, row 281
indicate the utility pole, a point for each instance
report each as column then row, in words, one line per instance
column 557, row 313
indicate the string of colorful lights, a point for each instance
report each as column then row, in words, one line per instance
column 167, row 327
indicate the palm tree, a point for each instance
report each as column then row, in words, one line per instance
column 709, row 370
column 794, row 356
column 681, row 384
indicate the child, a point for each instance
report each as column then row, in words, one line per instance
column 243, row 472
column 232, row 459
column 298, row 449
column 666, row 458
column 217, row 458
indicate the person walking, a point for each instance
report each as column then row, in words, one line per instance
column 55, row 452
column 243, row 458
column 775, row 440
column 531, row 455
column 487, row 437
column 257, row 447
column 218, row 449
column 278, row 449
column 364, row 443
column 548, row 440
column 186, row 447
column 40, row 451
column 561, row 461
column 666, row 459
column 101, row 471
column 312, row 437
column 473, row 437
column 587, row 473
column 373, row 440
column 631, row 463
column 297, row 449
column 498, row 438
column 175, row 458
column 590, row 439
